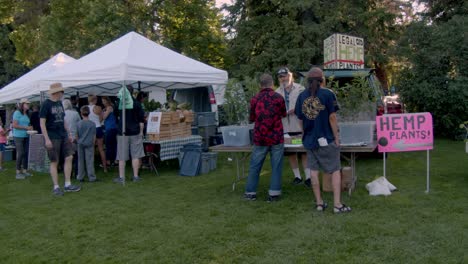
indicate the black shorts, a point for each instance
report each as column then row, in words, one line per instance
column 99, row 132
column 60, row 148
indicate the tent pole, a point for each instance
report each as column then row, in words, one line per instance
column 123, row 127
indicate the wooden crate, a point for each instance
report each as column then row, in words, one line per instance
column 165, row 132
column 177, row 130
column 189, row 117
column 166, row 118
column 175, row 116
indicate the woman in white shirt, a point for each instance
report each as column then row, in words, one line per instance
column 95, row 115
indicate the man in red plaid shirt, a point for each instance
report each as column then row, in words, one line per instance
column 266, row 110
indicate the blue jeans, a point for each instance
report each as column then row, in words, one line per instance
column 256, row 162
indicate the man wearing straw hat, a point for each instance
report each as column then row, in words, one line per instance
column 57, row 138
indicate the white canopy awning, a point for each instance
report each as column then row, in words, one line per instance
column 133, row 59
column 27, row 85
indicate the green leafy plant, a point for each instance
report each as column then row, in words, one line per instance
column 152, row 105
column 353, row 97
column 237, row 100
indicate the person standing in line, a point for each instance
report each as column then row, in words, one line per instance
column 110, row 123
column 129, row 141
column 21, row 124
column 95, row 115
column 72, row 118
column 291, row 124
column 85, row 137
column 3, row 141
column 75, row 103
column 35, row 120
column 317, row 107
column 57, row 138
column 266, row 110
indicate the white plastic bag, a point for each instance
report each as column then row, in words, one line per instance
column 380, row 186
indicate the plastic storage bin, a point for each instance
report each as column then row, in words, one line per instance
column 236, row 136
column 205, row 163
column 354, row 133
column 205, row 119
column 190, row 160
column 213, row 157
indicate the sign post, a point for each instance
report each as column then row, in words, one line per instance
column 405, row 132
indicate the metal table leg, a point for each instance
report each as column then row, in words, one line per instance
column 240, row 158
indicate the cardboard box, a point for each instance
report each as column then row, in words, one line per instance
column 343, row 52
column 346, row 180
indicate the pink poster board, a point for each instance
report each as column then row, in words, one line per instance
column 404, row 132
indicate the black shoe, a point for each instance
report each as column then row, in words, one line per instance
column 307, row 183
column 95, row 180
column 250, row 197
column 273, row 198
column 81, row 180
column 297, row 181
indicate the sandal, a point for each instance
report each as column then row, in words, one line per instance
column 342, row 209
column 321, row 207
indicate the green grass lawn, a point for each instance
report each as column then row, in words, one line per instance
column 174, row 219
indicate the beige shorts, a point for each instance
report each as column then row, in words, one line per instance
column 130, row 146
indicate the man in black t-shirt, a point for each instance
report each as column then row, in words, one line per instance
column 57, row 138
column 130, row 141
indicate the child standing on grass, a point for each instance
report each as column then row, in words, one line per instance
column 86, row 136
column 3, row 141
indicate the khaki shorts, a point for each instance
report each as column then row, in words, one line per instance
column 327, row 158
column 60, row 148
column 130, row 146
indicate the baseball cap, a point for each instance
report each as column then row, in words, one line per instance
column 283, row 71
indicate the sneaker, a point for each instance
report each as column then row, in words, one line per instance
column 81, row 180
column 72, row 188
column 136, row 179
column 273, row 198
column 27, row 174
column 250, row 197
column 95, row 180
column 297, row 181
column 118, row 180
column 20, row 176
column 308, row 183
column 57, row 192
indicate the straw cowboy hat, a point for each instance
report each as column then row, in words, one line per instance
column 55, row 88
column 24, row 101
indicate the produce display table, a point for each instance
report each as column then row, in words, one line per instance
column 241, row 154
column 170, row 148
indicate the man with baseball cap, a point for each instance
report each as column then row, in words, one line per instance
column 291, row 124
column 57, row 137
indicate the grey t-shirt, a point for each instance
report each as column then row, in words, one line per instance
column 86, row 131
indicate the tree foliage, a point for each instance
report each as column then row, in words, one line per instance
column 273, row 33
column 435, row 80
column 45, row 27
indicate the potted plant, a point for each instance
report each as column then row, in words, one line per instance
column 357, row 110
column 236, row 108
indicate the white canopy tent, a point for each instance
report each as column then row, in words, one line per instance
column 27, row 86
column 133, row 59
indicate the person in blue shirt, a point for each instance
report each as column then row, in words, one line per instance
column 21, row 124
column 316, row 107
